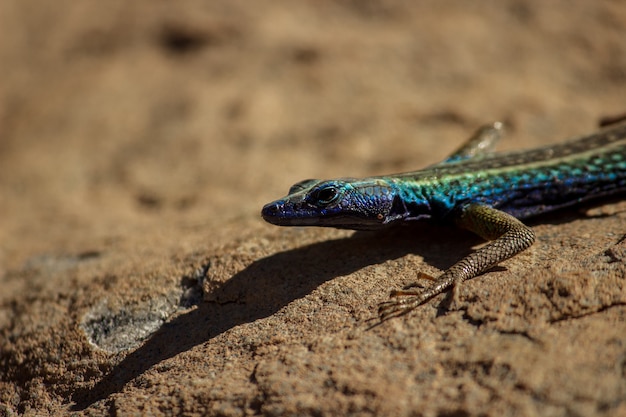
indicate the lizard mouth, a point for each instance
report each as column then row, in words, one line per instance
column 279, row 214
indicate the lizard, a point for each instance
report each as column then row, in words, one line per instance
column 475, row 189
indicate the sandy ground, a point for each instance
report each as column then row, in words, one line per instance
column 139, row 140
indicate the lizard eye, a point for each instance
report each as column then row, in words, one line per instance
column 325, row 195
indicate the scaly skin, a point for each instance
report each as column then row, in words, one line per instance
column 474, row 189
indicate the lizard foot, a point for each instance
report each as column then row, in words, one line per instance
column 397, row 307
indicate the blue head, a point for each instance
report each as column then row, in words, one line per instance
column 344, row 203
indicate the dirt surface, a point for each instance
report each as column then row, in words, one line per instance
column 139, row 140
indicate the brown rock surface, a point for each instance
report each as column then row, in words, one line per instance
column 139, row 140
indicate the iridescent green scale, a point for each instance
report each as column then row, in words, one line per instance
column 525, row 183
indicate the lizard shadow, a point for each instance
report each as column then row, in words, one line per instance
column 270, row 283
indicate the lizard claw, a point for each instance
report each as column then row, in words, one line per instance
column 411, row 299
column 399, row 307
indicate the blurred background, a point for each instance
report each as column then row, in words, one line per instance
column 120, row 117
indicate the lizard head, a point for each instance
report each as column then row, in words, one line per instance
column 342, row 203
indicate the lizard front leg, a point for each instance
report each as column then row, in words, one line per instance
column 509, row 237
